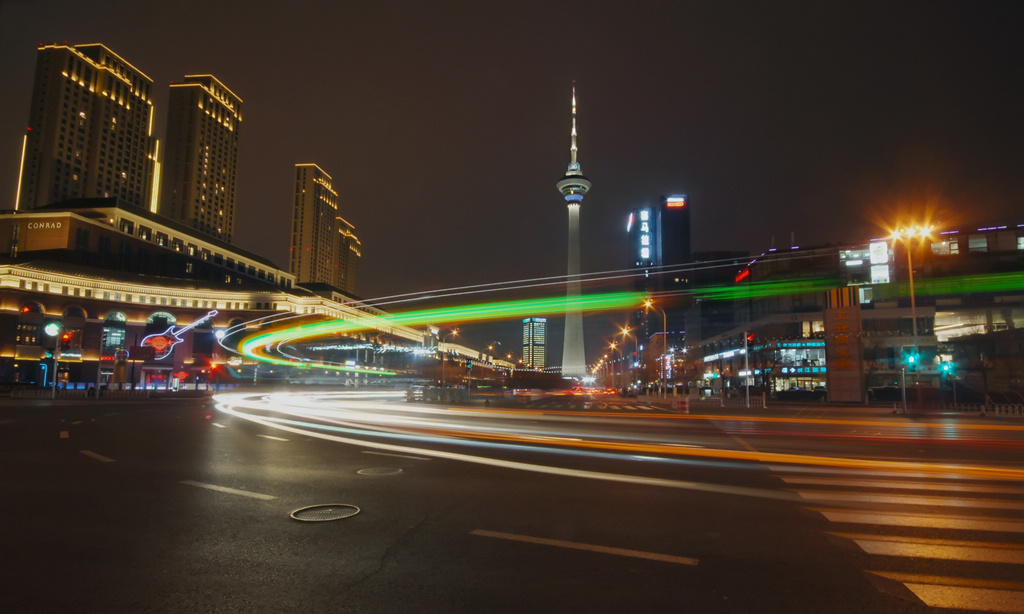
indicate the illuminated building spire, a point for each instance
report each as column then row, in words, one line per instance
column 573, row 186
column 573, row 164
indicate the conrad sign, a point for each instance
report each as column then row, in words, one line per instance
column 44, row 225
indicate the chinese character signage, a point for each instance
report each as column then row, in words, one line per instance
column 844, row 353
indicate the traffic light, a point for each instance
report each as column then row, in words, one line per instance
column 750, row 338
column 469, row 365
column 65, row 341
column 911, row 359
column 948, row 367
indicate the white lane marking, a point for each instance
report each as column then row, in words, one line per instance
column 639, row 554
column 77, row 422
column 965, row 598
column 98, row 457
column 65, row 435
column 924, row 548
column 272, row 437
column 396, row 455
column 232, row 491
column 932, row 521
column 218, row 425
column 911, row 500
column 888, row 473
column 902, row 485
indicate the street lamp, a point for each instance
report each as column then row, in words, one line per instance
column 615, row 347
column 649, row 304
column 454, row 332
column 905, row 235
column 53, row 329
column 625, row 333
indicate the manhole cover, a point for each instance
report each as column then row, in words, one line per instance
column 325, row 512
column 379, row 471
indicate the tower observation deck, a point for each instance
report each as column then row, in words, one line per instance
column 573, row 185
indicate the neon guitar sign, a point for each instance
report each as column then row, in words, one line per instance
column 163, row 343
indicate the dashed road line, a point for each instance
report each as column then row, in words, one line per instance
column 96, row 456
column 639, row 554
column 272, row 437
column 396, row 455
column 230, row 491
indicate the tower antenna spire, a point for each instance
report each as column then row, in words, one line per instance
column 572, row 151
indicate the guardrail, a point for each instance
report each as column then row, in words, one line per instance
column 1010, row 410
column 756, row 400
column 79, row 393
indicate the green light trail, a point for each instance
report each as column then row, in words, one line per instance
column 252, row 346
column 761, row 289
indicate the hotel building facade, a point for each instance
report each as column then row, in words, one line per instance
column 90, row 130
column 199, row 179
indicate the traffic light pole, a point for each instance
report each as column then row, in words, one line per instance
column 56, row 360
column 746, row 363
column 903, row 382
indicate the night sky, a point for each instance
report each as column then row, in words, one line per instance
column 445, row 125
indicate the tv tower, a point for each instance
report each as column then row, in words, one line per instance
column 573, row 186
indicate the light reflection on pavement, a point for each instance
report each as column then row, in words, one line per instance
column 385, row 421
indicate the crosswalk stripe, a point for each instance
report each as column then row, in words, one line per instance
column 962, row 598
column 957, row 593
column 916, row 578
column 886, row 473
column 953, row 550
column 902, row 484
column 911, row 500
column 933, row 521
column 874, row 489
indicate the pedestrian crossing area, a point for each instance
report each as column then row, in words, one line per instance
column 597, row 406
column 946, row 541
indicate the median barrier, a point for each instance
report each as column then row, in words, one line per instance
column 681, row 404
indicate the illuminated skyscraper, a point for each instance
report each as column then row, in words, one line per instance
column 90, row 129
column 203, row 123
column 659, row 247
column 324, row 247
column 573, row 185
column 535, row 342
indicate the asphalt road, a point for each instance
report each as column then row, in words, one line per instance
column 175, row 506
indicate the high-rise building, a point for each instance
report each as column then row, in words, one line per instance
column 675, row 230
column 659, row 248
column 573, row 185
column 201, row 161
column 324, row 247
column 348, row 250
column 534, row 342
column 90, row 130
column 659, row 239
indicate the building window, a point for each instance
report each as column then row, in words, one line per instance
column 977, row 243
